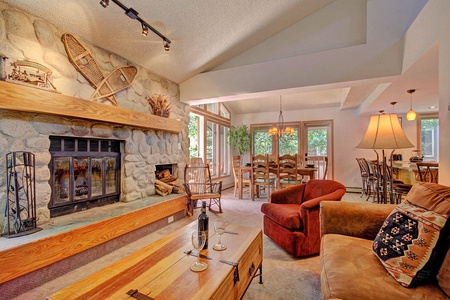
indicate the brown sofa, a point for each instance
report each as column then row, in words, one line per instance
column 349, row 267
column 291, row 219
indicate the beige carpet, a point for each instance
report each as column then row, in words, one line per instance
column 284, row 277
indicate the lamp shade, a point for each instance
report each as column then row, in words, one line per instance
column 384, row 132
column 411, row 115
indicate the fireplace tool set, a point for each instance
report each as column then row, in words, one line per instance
column 20, row 209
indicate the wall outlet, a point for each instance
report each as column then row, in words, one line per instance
column 170, row 219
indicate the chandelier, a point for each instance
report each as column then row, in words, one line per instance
column 279, row 129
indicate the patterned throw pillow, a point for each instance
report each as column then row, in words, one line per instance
column 410, row 243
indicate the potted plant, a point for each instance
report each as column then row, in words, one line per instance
column 239, row 138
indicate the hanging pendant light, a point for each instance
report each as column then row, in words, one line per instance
column 411, row 115
column 279, row 130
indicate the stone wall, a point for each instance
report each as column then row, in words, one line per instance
column 23, row 36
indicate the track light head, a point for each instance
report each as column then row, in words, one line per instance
column 104, row 3
column 132, row 13
column 166, row 45
column 144, row 30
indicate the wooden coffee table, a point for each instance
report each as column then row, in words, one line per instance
column 161, row 270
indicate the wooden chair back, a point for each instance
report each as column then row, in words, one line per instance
column 287, row 170
column 198, row 185
column 321, row 162
column 261, row 174
column 428, row 171
column 246, row 181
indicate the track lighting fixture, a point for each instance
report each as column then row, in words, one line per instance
column 133, row 14
column 144, row 30
column 104, row 3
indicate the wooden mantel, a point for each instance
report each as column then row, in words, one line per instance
column 27, row 99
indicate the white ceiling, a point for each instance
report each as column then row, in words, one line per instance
column 208, row 34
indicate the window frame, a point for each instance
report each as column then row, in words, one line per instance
column 205, row 117
column 419, row 119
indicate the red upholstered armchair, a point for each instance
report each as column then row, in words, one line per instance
column 291, row 219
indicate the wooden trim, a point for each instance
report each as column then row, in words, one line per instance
column 27, row 99
column 30, row 257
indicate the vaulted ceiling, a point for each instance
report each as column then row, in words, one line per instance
column 315, row 53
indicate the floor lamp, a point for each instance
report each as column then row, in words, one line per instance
column 385, row 132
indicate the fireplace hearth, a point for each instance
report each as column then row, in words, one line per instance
column 85, row 172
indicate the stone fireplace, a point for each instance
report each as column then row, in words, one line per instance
column 31, row 118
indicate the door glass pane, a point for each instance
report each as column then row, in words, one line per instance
column 61, row 176
column 111, row 175
column 317, row 141
column 429, row 138
column 288, row 143
column 80, row 182
column 262, row 141
column 97, row 177
column 212, row 147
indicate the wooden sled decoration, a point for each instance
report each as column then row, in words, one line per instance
column 32, row 74
column 84, row 62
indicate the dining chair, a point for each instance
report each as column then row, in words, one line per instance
column 244, row 181
column 428, row 171
column 367, row 177
column 261, row 175
column 321, row 163
column 287, row 171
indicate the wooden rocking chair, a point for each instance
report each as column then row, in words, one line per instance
column 198, row 185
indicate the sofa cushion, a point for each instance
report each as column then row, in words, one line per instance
column 350, row 270
column 287, row 215
column 413, row 240
column 408, row 243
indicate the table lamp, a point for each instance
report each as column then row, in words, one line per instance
column 384, row 132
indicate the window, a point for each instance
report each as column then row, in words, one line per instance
column 194, row 146
column 225, row 152
column 212, row 146
column 224, row 111
column 288, row 143
column 429, row 137
column 317, row 140
column 262, row 141
column 213, row 107
column 313, row 139
column 208, row 137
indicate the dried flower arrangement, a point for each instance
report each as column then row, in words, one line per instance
column 160, row 105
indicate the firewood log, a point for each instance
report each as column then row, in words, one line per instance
column 174, row 182
column 161, row 192
column 167, row 179
column 161, row 184
column 177, row 189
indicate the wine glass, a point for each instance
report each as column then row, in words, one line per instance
column 198, row 241
column 219, row 228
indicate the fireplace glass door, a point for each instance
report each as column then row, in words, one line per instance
column 85, row 172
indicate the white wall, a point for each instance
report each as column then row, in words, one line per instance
column 348, row 132
column 431, row 27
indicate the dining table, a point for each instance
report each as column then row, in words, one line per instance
column 301, row 170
